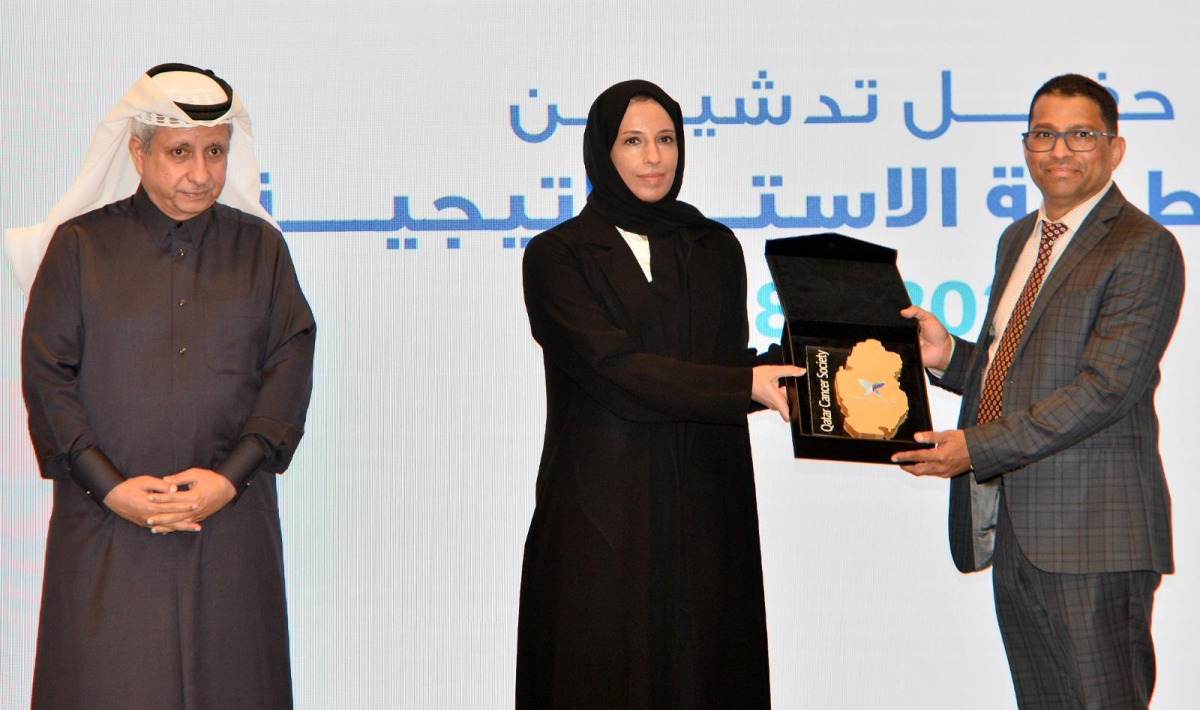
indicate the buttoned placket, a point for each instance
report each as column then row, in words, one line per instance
column 185, row 328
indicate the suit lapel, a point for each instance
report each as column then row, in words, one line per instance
column 1094, row 229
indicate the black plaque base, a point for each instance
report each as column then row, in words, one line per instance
column 818, row 426
column 837, row 292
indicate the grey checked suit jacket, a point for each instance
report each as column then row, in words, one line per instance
column 1077, row 446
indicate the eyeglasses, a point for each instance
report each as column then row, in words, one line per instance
column 1078, row 141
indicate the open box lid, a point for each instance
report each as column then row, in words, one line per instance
column 834, row 278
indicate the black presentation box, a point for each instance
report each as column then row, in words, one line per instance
column 837, row 292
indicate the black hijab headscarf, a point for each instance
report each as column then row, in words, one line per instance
column 610, row 197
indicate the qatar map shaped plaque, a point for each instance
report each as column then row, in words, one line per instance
column 868, row 392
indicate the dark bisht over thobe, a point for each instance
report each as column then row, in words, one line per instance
column 162, row 346
column 642, row 578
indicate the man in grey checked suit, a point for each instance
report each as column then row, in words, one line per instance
column 1061, row 484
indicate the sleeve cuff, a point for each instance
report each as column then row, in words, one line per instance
column 940, row 373
column 982, row 469
column 243, row 462
column 95, row 474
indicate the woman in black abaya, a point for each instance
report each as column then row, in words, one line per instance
column 642, row 579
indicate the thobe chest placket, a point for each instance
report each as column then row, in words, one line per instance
column 188, row 348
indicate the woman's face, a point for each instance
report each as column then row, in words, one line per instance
column 645, row 152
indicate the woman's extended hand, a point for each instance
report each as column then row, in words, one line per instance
column 766, row 389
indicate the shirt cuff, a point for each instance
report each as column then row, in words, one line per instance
column 95, row 474
column 939, row 374
column 243, row 462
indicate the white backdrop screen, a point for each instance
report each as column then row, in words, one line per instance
column 410, row 150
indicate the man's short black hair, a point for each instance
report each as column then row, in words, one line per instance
column 1079, row 85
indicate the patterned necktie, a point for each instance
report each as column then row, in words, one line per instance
column 990, row 403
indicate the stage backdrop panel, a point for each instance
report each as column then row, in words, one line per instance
column 410, row 151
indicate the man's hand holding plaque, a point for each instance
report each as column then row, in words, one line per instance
column 949, row 455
